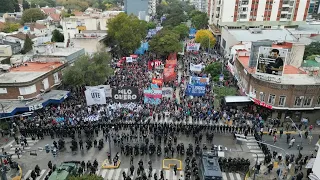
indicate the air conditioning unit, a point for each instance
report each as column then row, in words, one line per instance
column 20, row 98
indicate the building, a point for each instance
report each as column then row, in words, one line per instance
column 289, row 90
column 231, row 37
column 257, row 13
column 12, row 17
column 15, row 47
column 39, row 30
column 314, row 7
column 200, row 5
column 20, row 37
column 143, row 9
column 29, row 79
column 5, row 51
column 67, row 55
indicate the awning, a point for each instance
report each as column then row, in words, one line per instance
column 52, row 97
column 237, row 99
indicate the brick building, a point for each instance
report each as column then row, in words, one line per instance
column 296, row 93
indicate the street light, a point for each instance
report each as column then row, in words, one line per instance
column 241, row 139
column 300, row 133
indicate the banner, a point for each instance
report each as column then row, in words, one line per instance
column 199, row 80
column 129, row 59
column 158, row 82
column 172, row 63
column 95, row 96
column 125, row 94
column 167, row 92
column 155, row 64
column 107, row 89
column 169, row 75
column 193, row 46
column 195, row 90
column 152, row 96
column 196, row 67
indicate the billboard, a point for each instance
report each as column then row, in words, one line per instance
column 255, row 51
column 271, row 61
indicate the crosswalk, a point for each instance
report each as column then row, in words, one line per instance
column 31, row 143
column 117, row 174
column 254, row 148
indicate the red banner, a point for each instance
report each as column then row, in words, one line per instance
column 154, row 64
column 158, row 82
column 169, row 74
column 263, row 104
column 172, row 56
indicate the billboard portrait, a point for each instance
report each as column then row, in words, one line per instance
column 271, row 61
column 255, row 51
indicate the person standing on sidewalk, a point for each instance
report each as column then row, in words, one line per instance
column 274, row 139
column 281, row 132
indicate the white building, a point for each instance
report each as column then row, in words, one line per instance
column 257, row 13
column 20, row 37
column 200, row 5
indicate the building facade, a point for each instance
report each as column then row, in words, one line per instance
column 257, row 13
column 143, row 9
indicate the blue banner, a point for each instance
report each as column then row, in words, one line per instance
column 144, row 47
column 196, row 90
column 194, row 80
column 192, row 33
column 152, row 101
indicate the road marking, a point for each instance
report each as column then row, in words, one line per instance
column 256, row 151
column 224, row 176
column 41, row 174
column 117, row 174
column 238, row 177
column 103, row 174
column 126, row 170
column 27, row 174
column 252, row 144
column 259, row 155
column 250, row 137
column 231, row 176
column 253, row 147
column 110, row 174
column 167, row 174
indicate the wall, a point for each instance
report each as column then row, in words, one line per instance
column 301, row 10
column 230, row 40
column 296, row 55
column 13, row 92
column 5, row 50
column 227, row 12
column 261, row 10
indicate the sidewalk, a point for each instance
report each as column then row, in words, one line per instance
column 315, row 130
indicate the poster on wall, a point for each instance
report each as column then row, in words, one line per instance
column 125, row 94
column 271, row 61
column 195, row 90
column 167, row 92
column 95, row 96
column 152, row 96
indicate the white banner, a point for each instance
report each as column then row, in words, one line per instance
column 129, row 59
column 193, row 46
column 196, row 67
column 95, row 96
column 107, row 89
column 167, row 92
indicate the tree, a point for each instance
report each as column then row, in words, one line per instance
column 44, row 3
column 27, row 45
column 85, row 177
column 174, row 19
column 182, row 30
column 312, row 49
column 57, row 36
column 221, row 92
column 89, row 70
column 199, row 19
column 214, row 69
column 10, row 27
column 74, row 4
column 312, row 57
column 151, row 25
column 16, row 6
column 25, row 5
column 7, row 6
column 69, row 11
column 125, row 33
column 203, row 37
column 32, row 15
column 165, row 42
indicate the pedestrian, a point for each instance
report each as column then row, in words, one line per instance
column 292, row 142
column 274, row 139
column 310, row 137
column 281, row 132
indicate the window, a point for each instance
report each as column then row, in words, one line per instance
column 45, row 83
column 224, row 43
column 307, row 101
column 298, row 101
column 282, row 100
column 243, row 16
column 272, row 99
column 318, row 101
column 261, row 97
column 28, row 90
column 3, row 91
column 56, row 78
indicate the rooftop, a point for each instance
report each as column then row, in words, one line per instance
column 56, row 52
column 35, row 26
column 48, row 10
column 22, row 36
column 270, row 34
column 28, row 72
column 55, row 17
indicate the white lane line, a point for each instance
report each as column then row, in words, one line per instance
column 224, row 176
column 27, row 174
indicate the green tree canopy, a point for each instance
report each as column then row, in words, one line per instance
column 214, row 69
column 57, row 36
column 182, row 30
column 89, row 70
column 32, row 15
column 25, row 5
column 9, row 6
column 125, row 33
column 10, row 27
column 312, row 49
column 86, row 177
column 27, row 46
column 151, row 25
column 165, row 42
column 44, row 3
column 203, row 36
column 199, row 19
column 312, row 57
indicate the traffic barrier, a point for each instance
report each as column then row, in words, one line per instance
column 167, row 164
column 20, row 174
column 107, row 165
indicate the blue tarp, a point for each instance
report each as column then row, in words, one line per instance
column 192, row 33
